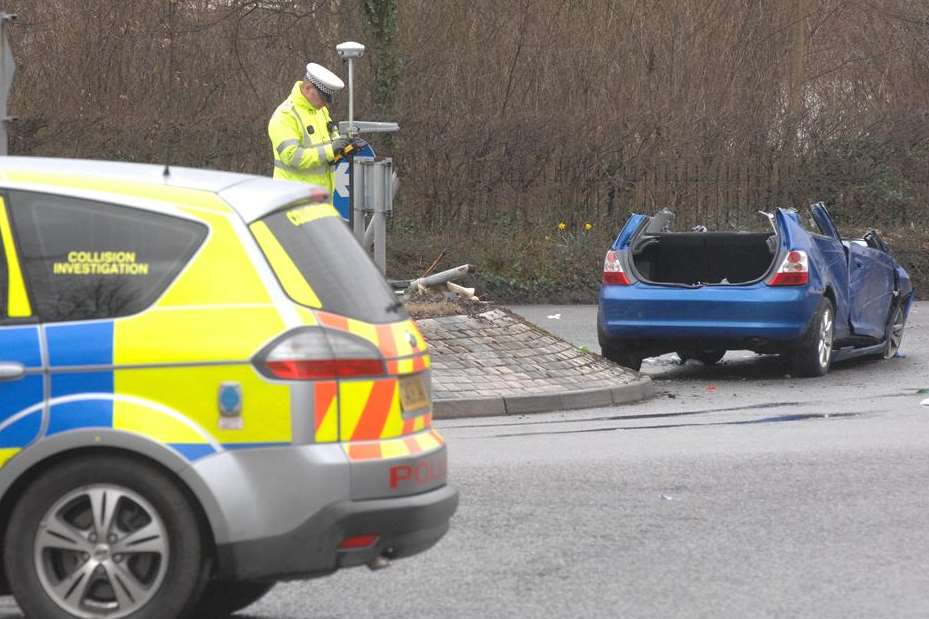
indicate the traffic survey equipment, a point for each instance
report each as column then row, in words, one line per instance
column 365, row 184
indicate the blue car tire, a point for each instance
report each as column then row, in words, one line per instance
column 814, row 356
column 625, row 355
column 894, row 333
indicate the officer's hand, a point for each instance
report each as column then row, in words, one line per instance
column 339, row 144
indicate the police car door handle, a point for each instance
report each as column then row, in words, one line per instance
column 10, row 370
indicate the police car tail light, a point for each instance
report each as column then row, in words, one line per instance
column 359, row 541
column 794, row 270
column 317, row 354
column 613, row 271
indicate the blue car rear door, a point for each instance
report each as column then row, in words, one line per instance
column 22, row 377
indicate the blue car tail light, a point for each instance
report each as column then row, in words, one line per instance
column 794, row 270
column 613, row 273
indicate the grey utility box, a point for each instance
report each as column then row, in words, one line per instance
column 373, row 187
column 373, row 180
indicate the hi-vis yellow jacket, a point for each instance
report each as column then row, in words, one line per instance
column 301, row 136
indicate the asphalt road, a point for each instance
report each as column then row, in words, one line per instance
column 737, row 491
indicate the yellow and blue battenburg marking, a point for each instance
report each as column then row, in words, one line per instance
column 80, row 358
column 83, row 393
column 22, row 404
column 88, row 390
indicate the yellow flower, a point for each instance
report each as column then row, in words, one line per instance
column 562, row 225
column 587, row 227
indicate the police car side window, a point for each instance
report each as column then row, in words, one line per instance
column 85, row 259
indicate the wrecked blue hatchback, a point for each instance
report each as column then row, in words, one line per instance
column 796, row 289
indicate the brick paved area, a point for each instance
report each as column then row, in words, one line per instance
column 505, row 364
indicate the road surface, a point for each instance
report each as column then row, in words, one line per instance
column 737, row 491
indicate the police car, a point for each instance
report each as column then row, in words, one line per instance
column 205, row 387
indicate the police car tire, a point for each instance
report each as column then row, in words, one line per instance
column 223, row 598
column 186, row 573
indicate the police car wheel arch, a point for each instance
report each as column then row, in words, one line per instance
column 104, row 535
column 46, row 452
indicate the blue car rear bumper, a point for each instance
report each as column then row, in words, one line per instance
column 723, row 314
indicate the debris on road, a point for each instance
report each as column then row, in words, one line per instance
column 441, row 280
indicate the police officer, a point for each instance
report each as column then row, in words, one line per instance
column 306, row 142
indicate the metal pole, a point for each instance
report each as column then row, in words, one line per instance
column 351, row 194
column 437, row 279
column 380, row 243
column 352, row 216
column 348, row 51
column 351, row 98
column 356, row 193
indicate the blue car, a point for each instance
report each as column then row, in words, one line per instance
column 796, row 289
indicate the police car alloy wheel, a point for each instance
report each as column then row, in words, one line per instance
column 101, row 547
column 106, row 537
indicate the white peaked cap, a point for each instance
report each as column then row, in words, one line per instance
column 325, row 80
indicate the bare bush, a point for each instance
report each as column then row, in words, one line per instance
column 513, row 111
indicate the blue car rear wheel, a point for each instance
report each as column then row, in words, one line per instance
column 815, row 353
column 619, row 351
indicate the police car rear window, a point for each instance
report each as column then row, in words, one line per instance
column 320, row 265
column 85, row 259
